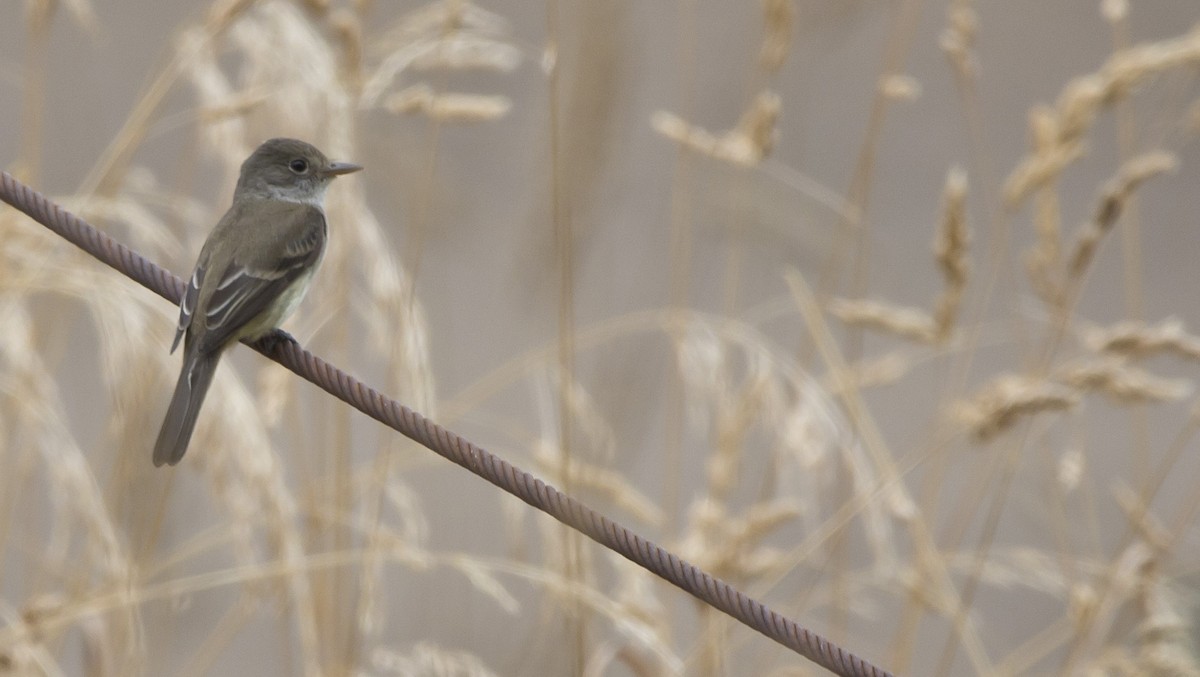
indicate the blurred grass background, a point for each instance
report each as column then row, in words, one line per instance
column 673, row 257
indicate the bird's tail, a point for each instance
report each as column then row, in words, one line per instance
column 194, row 379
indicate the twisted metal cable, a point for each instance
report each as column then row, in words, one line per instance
column 282, row 348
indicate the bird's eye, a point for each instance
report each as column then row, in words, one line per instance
column 299, row 165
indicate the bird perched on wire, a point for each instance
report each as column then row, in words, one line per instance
column 252, row 272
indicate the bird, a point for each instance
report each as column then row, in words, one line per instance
column 252, row 272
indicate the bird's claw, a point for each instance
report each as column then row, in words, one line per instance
column 276, row 338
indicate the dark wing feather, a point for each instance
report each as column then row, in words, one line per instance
column 188, row 304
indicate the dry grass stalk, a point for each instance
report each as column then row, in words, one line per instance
column 638, row 596
column 997, row 406
column 1085, row 97
column 950, row 249
column 899, row 87
column 742, row 405
column 427, row 658
column 144, row 211
column 1009, row 398
column 1112, row 203
column 1150, row 531
column 595, row 478
column 950, row 252
column 746, row 145
column 872, row 373
column 448, row 107
column 1043, row 260
column 958, row 39
column 467, row 52
column 913, row 324
column 1051, row 156
column 1139, row 340
column 1165, row 637
column 1097, row 610
column 814, row 447
column 234, row 107
column 779, row 19
column 1051, row 276
column 1120, row 381
column 348, row 36
column 440, row 36
column 731, row 547
column 1114, row 11
column 1071, row 468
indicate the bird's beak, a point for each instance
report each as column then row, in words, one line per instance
column 339, row 168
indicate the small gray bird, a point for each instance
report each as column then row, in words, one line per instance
column 253, row 270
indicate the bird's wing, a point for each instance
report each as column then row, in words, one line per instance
column 188, row 304
column 253, row 280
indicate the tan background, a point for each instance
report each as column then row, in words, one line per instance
column 193, row 572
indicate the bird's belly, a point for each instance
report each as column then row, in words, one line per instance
column 279, row 311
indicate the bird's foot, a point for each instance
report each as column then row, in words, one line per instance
column 273, row 340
